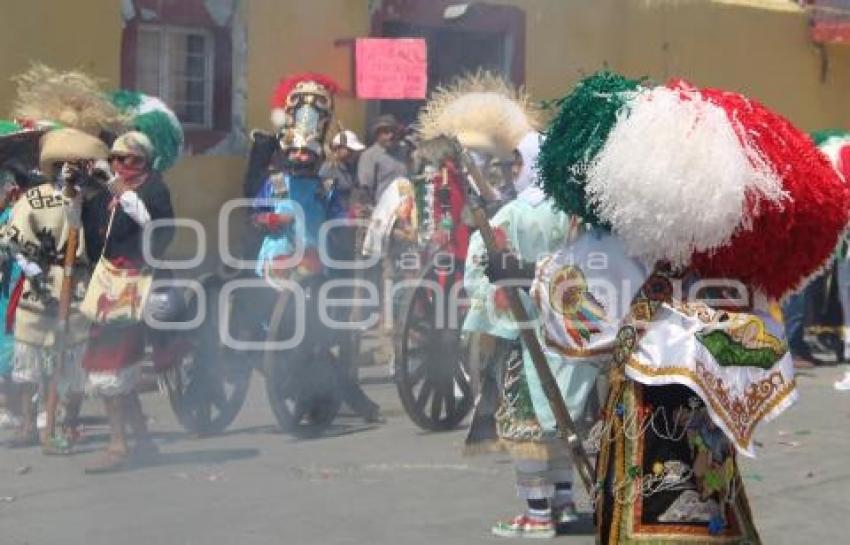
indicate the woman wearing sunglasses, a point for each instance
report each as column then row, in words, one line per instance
column 114, row 222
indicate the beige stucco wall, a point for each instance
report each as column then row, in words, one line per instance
column 759, row 47
column 727, row 43
column 289, row 37
column 85, row 35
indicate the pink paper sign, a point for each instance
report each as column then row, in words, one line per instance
column 391, row 68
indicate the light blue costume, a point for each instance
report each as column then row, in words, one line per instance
column 10, row 272
column 292, row 195
column 531, row 227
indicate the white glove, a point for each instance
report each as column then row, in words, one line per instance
column 134, row 207
column 28, row 268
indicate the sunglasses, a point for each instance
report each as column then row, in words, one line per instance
column 128, row 160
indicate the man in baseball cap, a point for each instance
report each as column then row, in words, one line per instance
column 348, row 140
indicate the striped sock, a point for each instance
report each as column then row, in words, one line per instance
column 563, row 495
column 540, row 515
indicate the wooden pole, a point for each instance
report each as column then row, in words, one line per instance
column 563, row 420
column 65, row 296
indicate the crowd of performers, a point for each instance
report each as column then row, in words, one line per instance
column 656, row 229
column 83, row 179
column 650, row 230
column 663, row 225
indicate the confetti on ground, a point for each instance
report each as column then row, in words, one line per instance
column 792, row 444
column 23, row 470
column 7, row 499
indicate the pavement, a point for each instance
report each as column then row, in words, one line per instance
column 365, row 484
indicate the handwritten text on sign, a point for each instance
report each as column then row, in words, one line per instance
column 391, row 68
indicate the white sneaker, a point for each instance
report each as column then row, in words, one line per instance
column 8, row 421
column 843, row 385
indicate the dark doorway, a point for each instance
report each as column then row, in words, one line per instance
column 490, row 37
column 450, row 53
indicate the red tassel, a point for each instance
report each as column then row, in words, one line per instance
column 12, row 307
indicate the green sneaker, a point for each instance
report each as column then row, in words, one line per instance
column 525, row 526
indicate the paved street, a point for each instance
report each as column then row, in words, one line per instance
column 390, row 484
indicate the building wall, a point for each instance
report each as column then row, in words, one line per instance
column 82, row 35
column 759, row 47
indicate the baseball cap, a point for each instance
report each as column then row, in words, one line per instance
column 349, row 139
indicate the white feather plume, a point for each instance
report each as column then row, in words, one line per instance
column 481, row 105
column 675, row 176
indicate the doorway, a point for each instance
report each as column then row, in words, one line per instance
column 490, row 37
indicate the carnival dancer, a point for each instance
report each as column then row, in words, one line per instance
column 639, row 163
column 36, row 236
column 10, row 273
column 117, row 219
column 47, row 99
column 18, row 151
column 488, row 117
column 303, row 107
column 505, row 417
column 291, row 205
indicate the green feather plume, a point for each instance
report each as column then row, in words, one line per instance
column 152, row 117
column 9, row 127
column 820, row 137
column 576, row 135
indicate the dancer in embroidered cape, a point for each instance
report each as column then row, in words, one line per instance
column 680, row 185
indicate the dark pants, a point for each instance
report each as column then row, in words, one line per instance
column 794, row 314
column 341, row 247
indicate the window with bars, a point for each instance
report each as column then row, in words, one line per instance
column 176, row 64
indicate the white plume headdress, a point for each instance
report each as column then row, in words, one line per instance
column 481, row 110
column 70, row 99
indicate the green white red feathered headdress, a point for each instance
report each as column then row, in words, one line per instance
column 698, row 177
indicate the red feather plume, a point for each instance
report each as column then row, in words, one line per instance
column 287, row 84
column 791, row 240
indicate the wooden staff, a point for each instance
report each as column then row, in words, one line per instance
column 65, row 296
column 563, row 419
